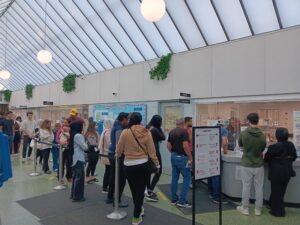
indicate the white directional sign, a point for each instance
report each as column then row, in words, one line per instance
column 207, row 147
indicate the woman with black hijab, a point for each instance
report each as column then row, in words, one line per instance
column 78, row 144
column 280, row 157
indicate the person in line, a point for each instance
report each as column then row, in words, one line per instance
column 103, row 146
column 28, row 127
column 46, row 136
column 157, row 135
column 253, row 142
column 188, row 125
column 7, row 125
column 17, row 137
column 39, row 153
column 92, row 139
column 280, row 157
column 137, row 145
column 234, row 128
column 55, row 148
column 63, row 138
column 77, row 190
column 74, row 116
column 181, row 160
column 214, row 182
column 120, row 123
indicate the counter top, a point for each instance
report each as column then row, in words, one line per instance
column 236, row 156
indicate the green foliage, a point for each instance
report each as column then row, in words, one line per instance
column 160, row 71
column 69, row 83
column 29, row 91
column 7, row 95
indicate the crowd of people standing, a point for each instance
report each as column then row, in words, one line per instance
column 137, row 148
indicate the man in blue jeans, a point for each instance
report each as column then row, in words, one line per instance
column 181, row 160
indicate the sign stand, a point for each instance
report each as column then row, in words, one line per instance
column 206, row 160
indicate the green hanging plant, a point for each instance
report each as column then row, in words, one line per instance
column 69, row 83
column 28, row 91
column 7, row 95
column 161, row 70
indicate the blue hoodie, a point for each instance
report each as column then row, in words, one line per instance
column 114, row 136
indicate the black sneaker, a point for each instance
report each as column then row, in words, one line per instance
column 121, row 205
column 109, row 201
column 174, row 202
column 151, row 197
column 78, row 200
column 224, row 200
column 104, row 191
column 184, row 205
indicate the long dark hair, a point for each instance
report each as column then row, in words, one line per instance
column 75, row 128
column 282, row 134
column 91, row 130
column 156, row 121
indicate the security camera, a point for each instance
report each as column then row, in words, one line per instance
column 114, row 93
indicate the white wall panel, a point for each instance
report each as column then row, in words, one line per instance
column 238, row 68
column 92, row 89
column 109, row 83
column 283, row 62
column 131, row 83
column 192, row 73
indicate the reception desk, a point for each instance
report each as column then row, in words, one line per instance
column 232, row 184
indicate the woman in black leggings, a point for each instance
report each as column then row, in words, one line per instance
column 92, row 139
column 158, row 135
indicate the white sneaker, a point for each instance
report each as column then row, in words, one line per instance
column 142, row 212
column 23, row 160
column 257, row 212
column 242, row 210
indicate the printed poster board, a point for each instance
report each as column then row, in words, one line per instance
column 207, row 149
column 296, row 129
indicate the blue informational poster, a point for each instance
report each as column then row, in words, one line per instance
column 111, row 111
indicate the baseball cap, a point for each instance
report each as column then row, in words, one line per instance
column 73, row 112
column 179, row 121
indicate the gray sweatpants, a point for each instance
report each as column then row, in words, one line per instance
column 250, row 175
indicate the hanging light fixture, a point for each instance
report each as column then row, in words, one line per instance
column 153, row 10
column 5, row 74
column 44, row 56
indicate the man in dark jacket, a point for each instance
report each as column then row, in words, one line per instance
column 120, row 123
column 253, row 142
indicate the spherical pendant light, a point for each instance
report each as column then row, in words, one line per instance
column 44, row 56
column 4, row 74
column 153, row 10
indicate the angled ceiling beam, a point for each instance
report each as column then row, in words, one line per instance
column 97, row 47
column 177, row 29
column 57, row 38
column 123, row 28
column 141, row 31
column 162, row 36
column 33, row 38
column 31, row 54
column 246, row 16
column 7, row 7
column 107, row 27
column 219, row 19
column 277, row 14
column 195, row 21
column 99, row 34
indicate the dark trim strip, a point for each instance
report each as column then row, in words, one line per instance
column 219, row 18
column 247, row 17
column 277, row 14
column 195, row 21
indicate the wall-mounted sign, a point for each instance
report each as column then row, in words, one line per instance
column 47, row 103
column 207, row 149
column 185, row 101
column 187, row 95
column 22, row 106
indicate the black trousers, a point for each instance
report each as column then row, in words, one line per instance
column 77, row 191
column 151, row 184
column 106, row 177
column 45, row 155
column 276, row 198
column 66, row 164
column 137, row 177
column 122, row 178
column 93, row 158
column 39, row 154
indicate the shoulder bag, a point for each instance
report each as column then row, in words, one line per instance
column 151, row 167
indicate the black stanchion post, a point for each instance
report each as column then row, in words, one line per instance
column 34, row 173
column 116, row 214
column 60, row 185
column 194, row 181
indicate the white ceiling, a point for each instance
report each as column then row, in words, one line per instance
column 88, row 36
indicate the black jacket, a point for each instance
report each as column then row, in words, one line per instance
column 280, row 157
column 158, row 136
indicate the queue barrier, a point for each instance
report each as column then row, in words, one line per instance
column 117, row 214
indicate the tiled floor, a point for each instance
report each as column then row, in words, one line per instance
column 23, row 186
